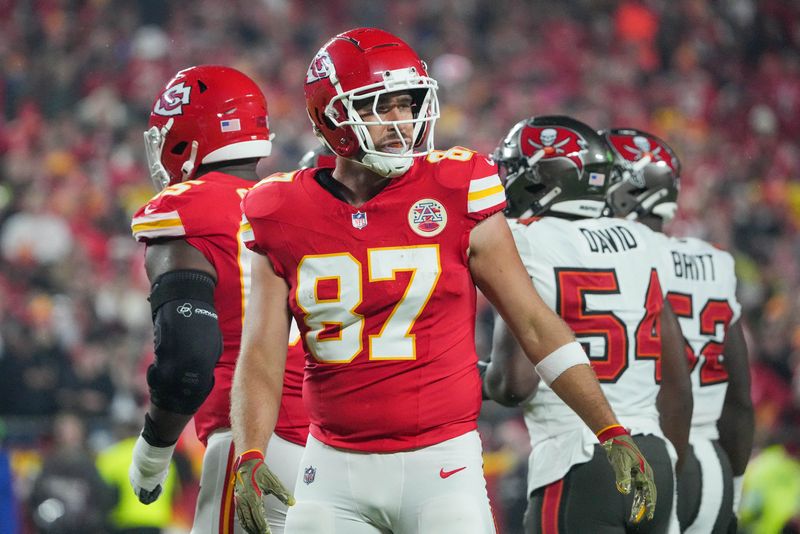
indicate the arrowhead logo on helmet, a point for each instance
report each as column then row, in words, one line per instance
column 321, row 67
column 172, row 100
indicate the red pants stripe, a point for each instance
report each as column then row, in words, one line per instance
column 226, row 511
column 551, row 502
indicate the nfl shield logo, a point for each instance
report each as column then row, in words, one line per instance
column 359, row 220
column 309, row 473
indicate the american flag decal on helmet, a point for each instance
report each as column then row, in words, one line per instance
column 230, row 125
column 597, row 178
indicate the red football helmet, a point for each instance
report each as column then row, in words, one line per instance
column 646, row 175
column 353, row 70
column 205, row 114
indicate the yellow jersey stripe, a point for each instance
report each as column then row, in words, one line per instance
column 477, row 195
column 155, row 225
column 153, row 234
column 482, row 183
column 495, row 199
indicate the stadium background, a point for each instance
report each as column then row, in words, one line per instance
column 719, row 80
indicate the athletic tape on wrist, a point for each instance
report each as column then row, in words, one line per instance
column 560, row 360
column 151, row 460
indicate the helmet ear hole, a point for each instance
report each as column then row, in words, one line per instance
column 203, row 87
column 535, row 188
column 417, row 99
column 321, row 119
column 179, row 148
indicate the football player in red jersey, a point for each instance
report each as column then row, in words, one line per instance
column 208, row 130
column 701, row 286
column 602, row 275
column 378, row 260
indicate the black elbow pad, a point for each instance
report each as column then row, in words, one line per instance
column 187, row 339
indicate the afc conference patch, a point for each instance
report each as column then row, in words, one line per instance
column 427, row 217
column 309, row 473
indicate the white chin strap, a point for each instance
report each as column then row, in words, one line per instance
column 188, row 166
column 666, row 210
column 387, row 166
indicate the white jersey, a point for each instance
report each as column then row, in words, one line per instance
column 701, row 288
column 602, row 277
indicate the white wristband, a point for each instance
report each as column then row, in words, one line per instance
column 560, row 360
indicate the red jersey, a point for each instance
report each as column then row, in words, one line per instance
column 206, row 214
column 383, row 297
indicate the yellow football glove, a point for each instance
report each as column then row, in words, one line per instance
column 252, row 479
column 629, row 464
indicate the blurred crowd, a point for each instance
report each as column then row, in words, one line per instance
column 719, row 80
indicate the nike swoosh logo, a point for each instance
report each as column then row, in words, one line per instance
column 149, row 209
column 445, row 474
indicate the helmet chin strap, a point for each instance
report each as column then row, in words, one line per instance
column 188, row 166
column 388, row 167
column 648, row 203
column 544, row 202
